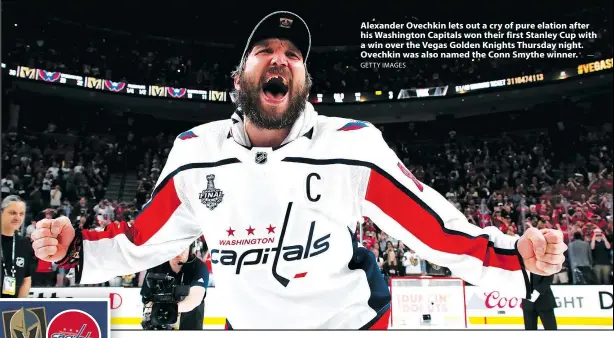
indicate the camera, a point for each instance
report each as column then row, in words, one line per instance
column 163, row 295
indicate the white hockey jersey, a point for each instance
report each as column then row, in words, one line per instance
column 280, row 224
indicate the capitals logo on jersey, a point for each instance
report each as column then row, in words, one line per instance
column 353, row 126
column 176, row 92
column 49, row 76
column 114, row 86
column 285, row 252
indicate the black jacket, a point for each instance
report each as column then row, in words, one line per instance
column 546, row 300
column 21, row 260
column 193, row 273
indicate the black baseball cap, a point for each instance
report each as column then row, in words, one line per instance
column 282, row 25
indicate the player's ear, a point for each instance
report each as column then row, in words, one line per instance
column 236, row 81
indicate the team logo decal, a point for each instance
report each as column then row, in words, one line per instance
column 73, row 323
column 176, row 92
column 27, row 323
column 49, row 76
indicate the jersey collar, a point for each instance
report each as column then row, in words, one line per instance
column 302, row 127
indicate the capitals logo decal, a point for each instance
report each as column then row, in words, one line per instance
column 73, row 324
column 114, row 86
column 49, row 76
column 176, row 92
column 353, row 126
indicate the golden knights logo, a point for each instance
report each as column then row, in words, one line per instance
column 211, row 196
column 25, row 323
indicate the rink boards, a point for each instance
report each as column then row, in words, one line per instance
column 581, row 306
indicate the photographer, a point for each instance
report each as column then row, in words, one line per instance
column 187, row 270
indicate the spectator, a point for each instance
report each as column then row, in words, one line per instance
column 56, row 197
column 378, row 259
column 579, row 259
column 30, row 228
column 7, row 185
column 104, row 211
column 512, row 232
column 601, row 251
column 46, row 188
column 391, row 266
column 388, row 249
column 66, row 208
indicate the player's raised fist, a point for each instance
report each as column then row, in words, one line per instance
column 542, row 251
column 51, row 238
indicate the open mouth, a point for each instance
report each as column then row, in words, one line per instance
column 275, row 89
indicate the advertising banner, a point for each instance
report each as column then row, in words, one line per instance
column 577, row 305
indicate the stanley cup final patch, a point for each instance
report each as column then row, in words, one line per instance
column 211, row 197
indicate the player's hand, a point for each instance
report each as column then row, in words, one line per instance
column 51, row 238
column 542, row 251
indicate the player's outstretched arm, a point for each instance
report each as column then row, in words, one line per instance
column 425, row 221
column 162, row 230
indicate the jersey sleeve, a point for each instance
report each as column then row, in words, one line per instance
column 164, row 228
column 425, row 221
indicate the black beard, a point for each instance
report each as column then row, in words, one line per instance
column 248, row 99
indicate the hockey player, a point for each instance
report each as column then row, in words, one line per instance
column 277, row 190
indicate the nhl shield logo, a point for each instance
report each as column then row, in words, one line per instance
column 261, row 157
column 211, row 197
